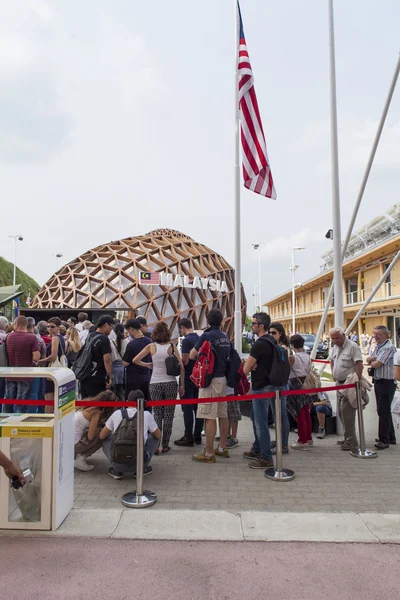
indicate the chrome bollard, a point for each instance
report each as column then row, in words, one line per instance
column 139, row 498
column 278, row 473
column 361, row 452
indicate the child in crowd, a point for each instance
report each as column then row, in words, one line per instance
column 88, row 424
column 234, row 416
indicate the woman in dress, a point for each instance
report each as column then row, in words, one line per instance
column 118, row 347
column 162, row 386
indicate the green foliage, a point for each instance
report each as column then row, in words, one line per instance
column 246, row 347
column 248, row 323
column 27, row 283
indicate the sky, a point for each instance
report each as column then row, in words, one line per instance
column 117, row 118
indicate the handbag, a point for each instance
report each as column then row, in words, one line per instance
column 172, row 364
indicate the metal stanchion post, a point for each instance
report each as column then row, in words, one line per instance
column 140, row 498
column 277, row 473
column 361, row 452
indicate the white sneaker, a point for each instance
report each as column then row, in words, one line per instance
column 298, row 446
column 81, row 464
column 310, row 443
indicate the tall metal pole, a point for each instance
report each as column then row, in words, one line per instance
column 362, row 451
column 293, row 294
column 337, row 237
column 259, row 276
column 15, row 261
column 238, row 291
column 360, row 197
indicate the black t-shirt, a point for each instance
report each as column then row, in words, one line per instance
column 136, row 373
column 101, row 346
column 188, row 343
column 220, row 344
column 262, row 351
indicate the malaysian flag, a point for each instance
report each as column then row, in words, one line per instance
column 150, row 278
column 256, row 170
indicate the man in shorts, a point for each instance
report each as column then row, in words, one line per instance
column 214, row 410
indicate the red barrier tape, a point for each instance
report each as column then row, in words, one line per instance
column 246, row 398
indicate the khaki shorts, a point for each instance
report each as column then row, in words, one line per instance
column 213, row 410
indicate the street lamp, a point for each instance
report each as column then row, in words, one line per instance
column 258, row 247
column 59, row 255
column 293, row 269
column 17, row 238
column 255, row 294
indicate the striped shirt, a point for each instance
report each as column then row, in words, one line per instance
column 384, row 354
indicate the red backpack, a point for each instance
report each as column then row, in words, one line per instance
column 203, row 370
column 244, row 384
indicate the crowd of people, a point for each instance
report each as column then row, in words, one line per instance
column 125, row 358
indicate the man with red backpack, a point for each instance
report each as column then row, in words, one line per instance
column 211, row 411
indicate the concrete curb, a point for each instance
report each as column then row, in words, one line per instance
column 220, row 525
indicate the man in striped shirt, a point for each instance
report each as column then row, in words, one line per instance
column 385, row 386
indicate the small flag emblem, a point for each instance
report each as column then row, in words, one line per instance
column 150, row 278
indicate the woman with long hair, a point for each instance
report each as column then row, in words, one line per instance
column 278, row 332
column 73, row 345
column 299, row 405
column 118, row 347
column 55, row 351
column 162, row 386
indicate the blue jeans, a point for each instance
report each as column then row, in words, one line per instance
column 150, row 447
column 260, row 408
column 18, row 390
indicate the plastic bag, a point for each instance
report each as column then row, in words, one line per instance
column 27, row 454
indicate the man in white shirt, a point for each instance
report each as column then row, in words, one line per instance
column 152, row 436
column 85, row 331
column 82, row 317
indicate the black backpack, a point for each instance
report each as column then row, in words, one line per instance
column 123, row 447
column 84, row 366
column 233, row 375
column 172, row 364
column 280, row 368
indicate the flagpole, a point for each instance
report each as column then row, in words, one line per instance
column 238, row 295
column 337, row 237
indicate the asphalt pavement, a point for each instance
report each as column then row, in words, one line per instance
column 63, row 569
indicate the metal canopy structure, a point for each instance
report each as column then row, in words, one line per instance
column 372, row 234
column 109, row 277
column 9, row 293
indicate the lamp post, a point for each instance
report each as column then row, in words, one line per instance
column 258, row 247
column 59, row 255
column 17, row 238
column 255, row 299
column 293, row 269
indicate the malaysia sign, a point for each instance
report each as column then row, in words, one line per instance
column 170, row 280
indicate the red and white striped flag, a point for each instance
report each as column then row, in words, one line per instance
column 256, row 169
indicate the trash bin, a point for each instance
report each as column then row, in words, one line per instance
column 43, row 443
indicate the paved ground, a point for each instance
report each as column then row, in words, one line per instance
column 88, row 569
column 327, row 479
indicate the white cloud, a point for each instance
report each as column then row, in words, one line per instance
column 282, row 247
column 42, row 10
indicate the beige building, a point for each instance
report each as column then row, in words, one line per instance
column 370, row 252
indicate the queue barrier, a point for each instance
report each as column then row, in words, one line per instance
column 141, row 498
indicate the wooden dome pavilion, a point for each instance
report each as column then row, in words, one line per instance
column 108, row 277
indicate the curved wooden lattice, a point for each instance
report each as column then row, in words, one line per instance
column 108, row 277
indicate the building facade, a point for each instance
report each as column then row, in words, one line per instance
column 370, row 252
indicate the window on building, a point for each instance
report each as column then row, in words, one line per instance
column 388, row 282
column 351, row 290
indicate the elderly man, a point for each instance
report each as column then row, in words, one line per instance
column 346, row 359
column 383, row 378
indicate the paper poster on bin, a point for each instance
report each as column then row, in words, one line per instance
column 66, row 398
